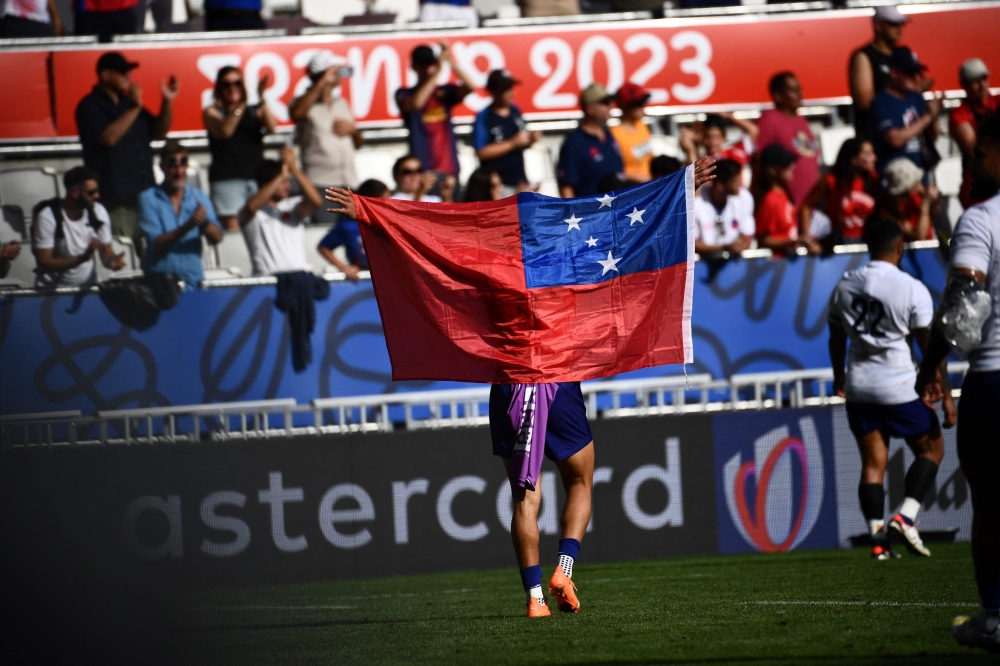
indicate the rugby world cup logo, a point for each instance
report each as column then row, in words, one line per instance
column 771, row 511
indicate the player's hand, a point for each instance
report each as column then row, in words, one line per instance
column 352, row 272
column 262, row 85
column 929, row 387
column 703, row 171
column 950, row 411
column 169, row 88
column 10, row 250
column 838, row 385
column 134, row 94
column 343, row 198
column 342, row 127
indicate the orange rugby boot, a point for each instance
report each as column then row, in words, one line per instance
column 563, row 589
column 538, row 608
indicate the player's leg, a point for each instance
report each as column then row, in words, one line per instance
column 864, row 421
column 577, row 473
column 524, row 533
column 928, row 449
column 978, row 424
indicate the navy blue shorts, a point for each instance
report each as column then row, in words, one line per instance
column 566, row 433
column 910, row 420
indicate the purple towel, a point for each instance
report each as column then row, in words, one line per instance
column 529, row 414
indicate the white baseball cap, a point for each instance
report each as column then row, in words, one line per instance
column 900, row 175
column 972, row 69
column 889, row 14
column 324, row 60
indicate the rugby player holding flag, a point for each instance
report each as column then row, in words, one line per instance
column 534, row 294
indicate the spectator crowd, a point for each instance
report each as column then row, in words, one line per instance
column 770, row 190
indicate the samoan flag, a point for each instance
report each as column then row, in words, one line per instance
column 534, row 289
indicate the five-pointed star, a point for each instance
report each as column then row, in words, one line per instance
column 635, row 216
column 591, row 242
column 573, row 222
column 610, row 264
column 605, row 201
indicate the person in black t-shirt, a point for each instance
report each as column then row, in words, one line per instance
column 236, row 140
column 869, row 67
column 499, row 134
column 116, row 130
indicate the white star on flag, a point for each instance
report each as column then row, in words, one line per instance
column 635, row 216
column 591, row 242
column 605, row 201
column 573, row 222
column 610, row 264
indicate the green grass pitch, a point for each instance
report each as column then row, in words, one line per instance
column 832, row 606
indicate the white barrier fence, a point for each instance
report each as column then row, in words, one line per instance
column 263, row 419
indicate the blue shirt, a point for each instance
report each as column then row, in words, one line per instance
column 347, row 233
column 157, row 216
column 890, row 112
column 584, row 160
column 493, row 128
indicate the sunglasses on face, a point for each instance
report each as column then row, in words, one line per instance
column 91, row 193
column 410, row 172
column 176, row 162
column 232, row 84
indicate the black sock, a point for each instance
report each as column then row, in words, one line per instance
column 872, row 496
column 920, row 478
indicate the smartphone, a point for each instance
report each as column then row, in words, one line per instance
column 346, row 72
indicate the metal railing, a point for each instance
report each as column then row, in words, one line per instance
column 263, row 419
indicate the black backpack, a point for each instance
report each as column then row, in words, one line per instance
column 55, row 205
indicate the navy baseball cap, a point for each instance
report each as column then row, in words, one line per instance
column 906, row 61
column 116, row 62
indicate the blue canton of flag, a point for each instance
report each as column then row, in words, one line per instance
column 598, row 238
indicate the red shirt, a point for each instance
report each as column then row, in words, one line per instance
column 972, row 114
column 911, row 209
column 848, row 210
column 795, row 135
column 775, row 216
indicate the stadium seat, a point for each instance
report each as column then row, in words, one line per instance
column 26, row 187
column 830, row 141
column 467, row 162
column 197, row 175
column 121, row 245
column 667, row 145
column 948, row 175
column 233, row 253
column 22, row 269
column 377, row 163
column 313, row 235
column 953, row 209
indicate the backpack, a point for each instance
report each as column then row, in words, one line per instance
column 55, row 205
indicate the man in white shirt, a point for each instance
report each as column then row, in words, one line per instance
column 413, row 183
column 67, row 232
column 272, row 220
column 878, row 307
column 325, row 129
column 975, row 265
column 723, row 212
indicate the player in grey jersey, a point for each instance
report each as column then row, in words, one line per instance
column 879, row 308
column 969, row 320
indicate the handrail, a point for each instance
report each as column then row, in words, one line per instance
column 144, row 38
column 41, row 416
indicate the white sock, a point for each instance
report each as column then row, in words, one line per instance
column 566, row 562
column 874, row 527
column 536, row 593
column 910, row 508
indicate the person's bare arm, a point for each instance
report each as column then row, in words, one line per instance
column 300, row 109
column 311, row 200
column 350, row 271
column 219, row 127
column 212, row 232
column 169, row 90
column 8, row 253
column 261, row 197
column 491, row 151
column 965, row 136
column 163, row 242
column 837, row 347
column 465, row 84
column 345, row 127
column 264, row 115
column 115, row 262
column 773, row 243
column 116, row 129
column 57, row 24
column 819, row 192
column 898, row 136
column 47, row 263
column 919, row 231
column 689, row 143
column 748, row 127
column 922, row 336
column 862, row 80
column 566, row 191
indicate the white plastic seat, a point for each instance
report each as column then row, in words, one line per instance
column 26, row 187
column 948, row 175
column 313, row 234
column 22, row 269
column 830, row 141
column 233, row 253
column 375, row 163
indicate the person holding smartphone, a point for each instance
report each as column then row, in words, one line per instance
column 325, row 129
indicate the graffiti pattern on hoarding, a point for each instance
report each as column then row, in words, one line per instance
column 774, row 484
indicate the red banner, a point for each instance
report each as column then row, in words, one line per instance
column 27, row 108
column 694, row 63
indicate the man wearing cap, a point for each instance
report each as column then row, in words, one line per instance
column 426, row 109
column 116, row 130
column 499, row 133
column 325, row 129
column 632, row 134
column 964, row 121
column 589, row 152
column 899, row 114
column 869, row 67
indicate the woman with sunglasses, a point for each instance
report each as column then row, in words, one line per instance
column 236, row 132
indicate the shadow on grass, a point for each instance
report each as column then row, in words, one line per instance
column 329, row 623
